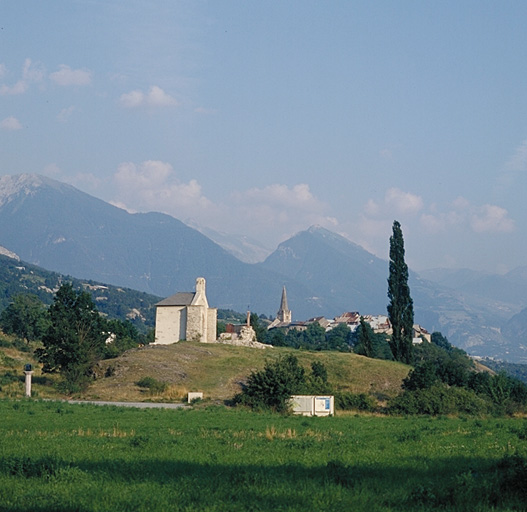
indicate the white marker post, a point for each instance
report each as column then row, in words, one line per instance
column 28, row 370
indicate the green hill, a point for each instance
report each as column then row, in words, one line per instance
column 218, row 370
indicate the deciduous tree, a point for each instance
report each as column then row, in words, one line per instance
column 26, row 317
column 271, row 387
column 75, row 340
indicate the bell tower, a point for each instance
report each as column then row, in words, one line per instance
column 284, row 313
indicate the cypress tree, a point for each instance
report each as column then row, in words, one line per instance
column 366, row 338
column 400, row 308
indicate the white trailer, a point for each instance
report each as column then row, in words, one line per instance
column 313, row 405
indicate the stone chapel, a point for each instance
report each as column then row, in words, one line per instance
column 186, row 316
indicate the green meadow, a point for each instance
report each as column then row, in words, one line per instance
column 56, row 456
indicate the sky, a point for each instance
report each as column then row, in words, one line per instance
column 264, row 118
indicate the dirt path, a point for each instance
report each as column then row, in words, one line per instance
column 140, row 405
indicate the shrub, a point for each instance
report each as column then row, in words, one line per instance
column 153, row 385
column 355, row 401
column 8, row 378
column 21, row 345
column 271, row 387
column 439, row 399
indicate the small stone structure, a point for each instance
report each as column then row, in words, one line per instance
column 186, row 316
column 194, row 395
column 241, row 335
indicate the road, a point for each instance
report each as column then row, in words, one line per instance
column 140, row 405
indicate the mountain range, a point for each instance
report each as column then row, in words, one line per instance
column 58, row 227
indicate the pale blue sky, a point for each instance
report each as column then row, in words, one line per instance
column 263, row 118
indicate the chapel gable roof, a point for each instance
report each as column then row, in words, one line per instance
column 178, row 299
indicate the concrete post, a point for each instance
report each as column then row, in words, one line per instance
column 28, row 383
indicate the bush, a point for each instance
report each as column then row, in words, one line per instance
column 439, row 399
column 355, row 401
column 153, row 385
column 21, row 345
column 271, row 387
column 9, row 378
column 507, row 393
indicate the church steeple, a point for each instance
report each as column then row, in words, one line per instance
column 284, row 313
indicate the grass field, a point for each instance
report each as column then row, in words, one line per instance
column 61, row 457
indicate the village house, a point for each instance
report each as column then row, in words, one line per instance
column 350, row 318
column 420, row 334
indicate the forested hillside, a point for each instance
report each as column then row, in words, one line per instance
column 115, row 302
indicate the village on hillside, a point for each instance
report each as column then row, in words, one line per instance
column 187, row 316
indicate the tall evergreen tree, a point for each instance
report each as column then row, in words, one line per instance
column 366, row 338
column 400, row 308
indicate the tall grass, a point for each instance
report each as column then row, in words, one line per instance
column 56, row 456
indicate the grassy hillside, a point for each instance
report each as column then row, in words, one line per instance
column 215, row 369
column 14, row 354
column 218, row 370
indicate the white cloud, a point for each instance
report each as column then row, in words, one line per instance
column 372, row 208
column 155, row 97
column 433, row 223
column 491, row 219
column 518, row 161
column 65, row 113
column 11, row 124
column 272, row 213
column 438, row 224
column 460, row 203
column 154, row 186
column 85, row 181
column 395, row 203
column 31, row 72
column 52, row 170
column 132, row 99
column 276, row 211
column 402, row 202
column 19, row 88
column 281, row 195
column 462, row 214
column 66, row 76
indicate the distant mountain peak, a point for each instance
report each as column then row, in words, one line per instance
column 317, row 229
column 27, row 184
